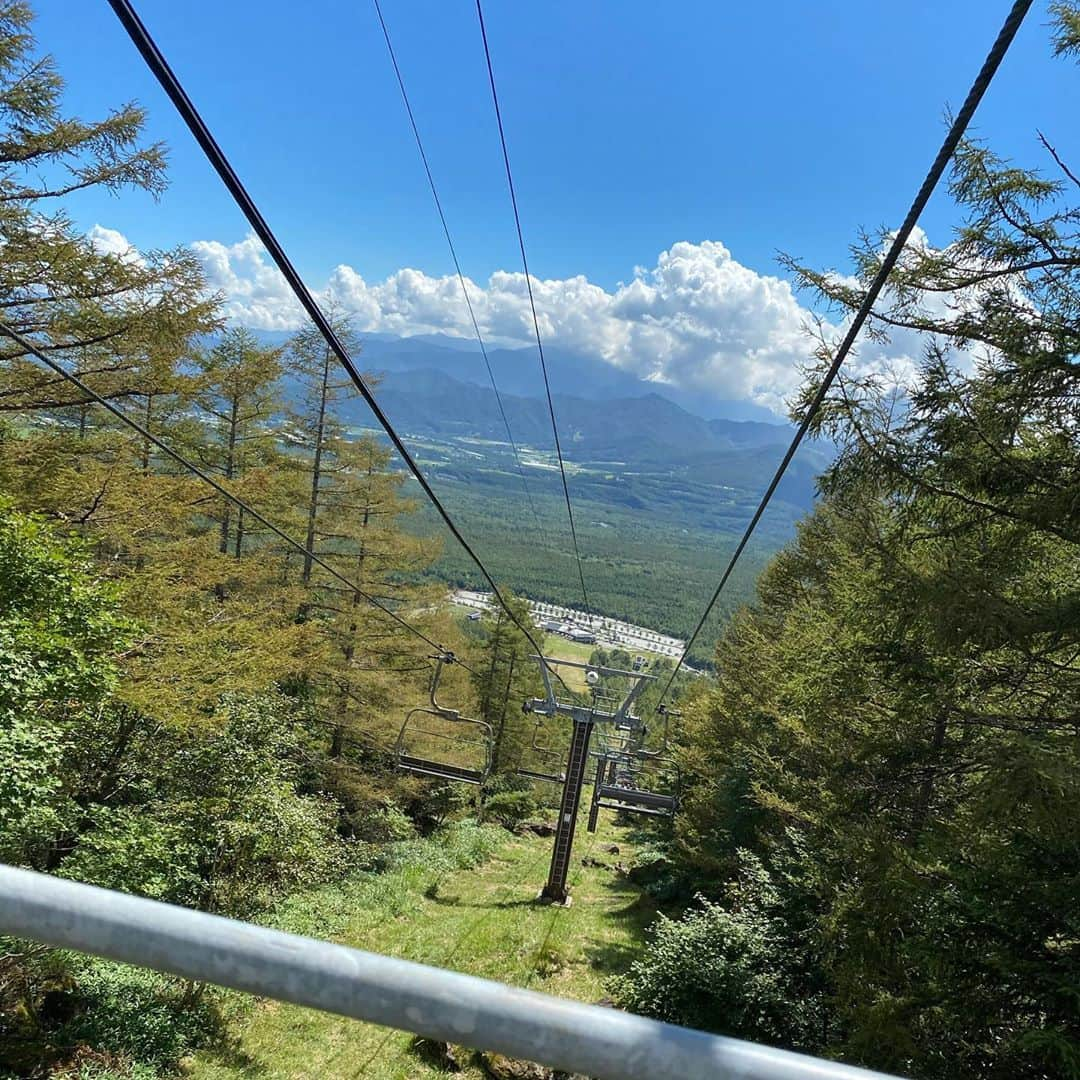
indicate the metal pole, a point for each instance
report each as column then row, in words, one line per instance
column 438, row 1004
column 576, row 760
column 594, row 806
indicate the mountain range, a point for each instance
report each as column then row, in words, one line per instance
column 517, row 371
column 662, row 484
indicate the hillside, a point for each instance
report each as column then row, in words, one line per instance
column 480, row 921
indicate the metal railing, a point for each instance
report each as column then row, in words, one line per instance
column 438, row 1004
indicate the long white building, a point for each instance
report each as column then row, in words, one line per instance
column 575, row 624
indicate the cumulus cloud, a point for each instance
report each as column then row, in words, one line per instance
column 112, row 242
column 255, row 293
column 698, row 318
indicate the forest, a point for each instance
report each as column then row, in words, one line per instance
column 877, row 853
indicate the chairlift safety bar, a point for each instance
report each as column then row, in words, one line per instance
column 431, row 1002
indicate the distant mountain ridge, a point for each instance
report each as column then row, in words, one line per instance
column 428, row 401
column 517, row 372
column 626, row 435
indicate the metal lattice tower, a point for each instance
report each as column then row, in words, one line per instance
column 604, row 708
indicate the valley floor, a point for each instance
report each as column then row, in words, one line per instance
column 483, row 922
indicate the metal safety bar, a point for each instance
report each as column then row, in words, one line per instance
column 438, row 1004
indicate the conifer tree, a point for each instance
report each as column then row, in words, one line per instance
column 239, row 394
column 104, row 312
column 890, row 750
column 506, row 675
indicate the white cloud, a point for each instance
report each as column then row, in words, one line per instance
column 698, row 319
column 255, row 293
column 112, row 242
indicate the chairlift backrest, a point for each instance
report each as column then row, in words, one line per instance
column 629, row 791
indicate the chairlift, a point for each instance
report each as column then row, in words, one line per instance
column 667, row 714
column 620, row 785
column 440, row 743
column 548, row 752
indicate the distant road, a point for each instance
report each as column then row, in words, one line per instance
column 610, row 633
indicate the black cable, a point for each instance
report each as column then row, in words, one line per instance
column 937, row 169
column 179, row 458
column 165, row 76
column 532, row 305
column 457, row 265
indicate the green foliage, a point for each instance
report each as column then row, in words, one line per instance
column 59, row 632
column 648, row 567
column 225, row 829
column 510, row 808
column 459, row 846
column 137, row 1016
column 505, row 676
column 732, row 969
column 387, row 825
column 393, row 887
column 114, row 317
column 892, row 732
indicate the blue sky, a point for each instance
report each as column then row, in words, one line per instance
column 632, row 126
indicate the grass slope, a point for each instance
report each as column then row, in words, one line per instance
column 482, row 921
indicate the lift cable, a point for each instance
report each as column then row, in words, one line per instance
column 179, row 458
column 457, row 265
column 956, row 132
column 532, row 305
column 169, row 82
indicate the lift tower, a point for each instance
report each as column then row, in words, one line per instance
column 605, row 707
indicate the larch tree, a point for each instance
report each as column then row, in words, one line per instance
column 506, row 675
column 316, row 422
column 102, row 311
column 240, row 393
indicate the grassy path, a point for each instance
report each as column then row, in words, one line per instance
column 482, row 921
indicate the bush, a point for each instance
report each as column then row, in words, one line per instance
column 653, row 871
column 389, row 824
column 137, row 1015
column 509, row 808
column 468, row 844
column 459, row 846
column 734, row 971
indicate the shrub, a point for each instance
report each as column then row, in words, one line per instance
column 509, row 808
column 138, row 1015
column 734, row 970
column 468, row 844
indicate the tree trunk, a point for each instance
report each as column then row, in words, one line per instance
column 147, row 417
column 230, row 468
column 316, row 469
column 921, row 810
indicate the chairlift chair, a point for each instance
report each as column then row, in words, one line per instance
column 547, row 752
column 627, row 790
column 463, row 738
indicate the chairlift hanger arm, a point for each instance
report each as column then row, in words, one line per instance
column 440, row 661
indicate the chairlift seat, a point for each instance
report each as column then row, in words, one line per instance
column 417, row 733
column 634, row 798
column 622, row 808
column 440, row 770
column 551, row 778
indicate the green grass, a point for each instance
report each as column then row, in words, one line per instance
column 560, row 648
column 482, row 921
